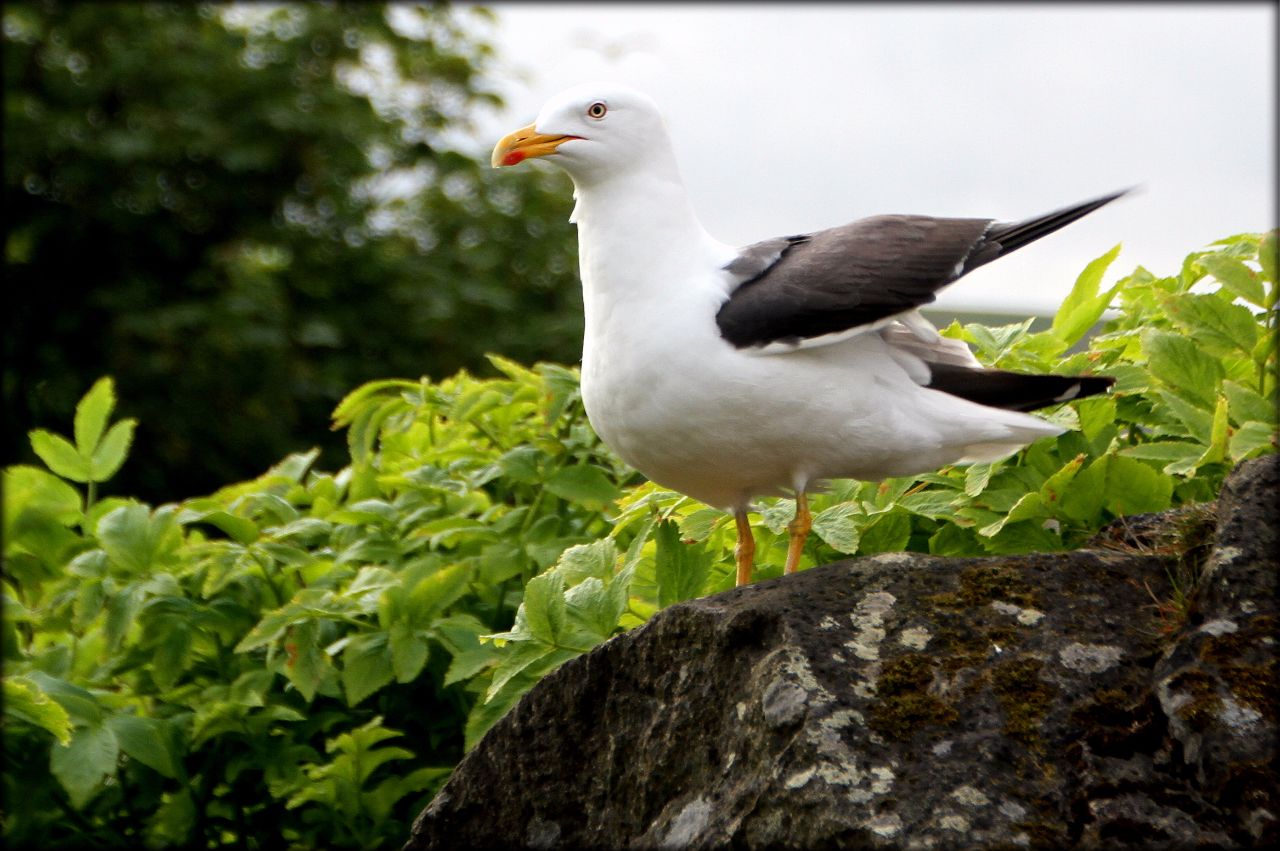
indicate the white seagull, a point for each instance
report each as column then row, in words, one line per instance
column 728, row 373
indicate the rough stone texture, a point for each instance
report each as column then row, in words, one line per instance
column 911, row 701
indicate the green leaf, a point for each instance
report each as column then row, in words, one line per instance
column 148, row 741
column 294, row 466
column 1183, row 366
column 837, row 527
column 122, row 609
column 81, row 706
column 776, row 517
column 680, row 569
column 993, row 343
column 520, row 659
column 977, row 476
column 1083, row 306
column 583, row 484
column 1056, row 485
column 1246, row 405
column 1216, row 451
column 60, row 456
column 306, row 665
column 366, row 588
column 136, row 540
column 699, row 525
column 366, row 666
column 172, row 655
column 1134, row 488
column 110, row 454
column 952, row 540
column 1030, row 506
column 1197, row 420
column 1097, row 420
column 544, row 607
column 24, row 701
column 1221, row 326
column 251, row 688
column 582, row 561
column 409, row 652
column 173, row 820
column 1083, row 498
column 380, row 801
column 350, row 405
column 1252, row 439
column 1267, row 260
column 590, row 605
column 521, row 464
column 433, row 594
column 90, row 597
column 92, row 414
column 932, row 503
column 1179, row 457
column 620, row 589
column 211, row 511
column 888, row 533
column 471, row 661
column 83, row 765
column 1026, row 536
column 513, row 370
column 1234, row 276
column 37, row 508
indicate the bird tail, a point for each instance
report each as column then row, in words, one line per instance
column 1013, row 391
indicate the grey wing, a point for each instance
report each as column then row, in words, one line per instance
column 861, row 275
column 803, row 287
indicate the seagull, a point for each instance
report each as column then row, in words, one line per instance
column 728, row 373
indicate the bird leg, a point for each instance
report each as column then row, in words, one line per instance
column 799, row 528
column 746, row 551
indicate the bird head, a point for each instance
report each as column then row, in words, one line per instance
column 590, row 131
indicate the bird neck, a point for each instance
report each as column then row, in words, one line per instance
column 634, row 224
column 638, row 239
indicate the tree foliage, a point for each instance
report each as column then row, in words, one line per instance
column 298, row 660
column 233, row 209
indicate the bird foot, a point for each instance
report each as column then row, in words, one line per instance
column 746, row 551
column 799, row 528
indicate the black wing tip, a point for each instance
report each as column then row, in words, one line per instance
column 1135, row 189
column 1092, row 385
column 1003, row 238
column 1084, row 208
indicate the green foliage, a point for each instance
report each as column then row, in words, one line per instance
column 253, row 209
column 166, row 665
column 217, row 672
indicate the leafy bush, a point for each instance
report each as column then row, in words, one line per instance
column 268, row 202
column 300, row 659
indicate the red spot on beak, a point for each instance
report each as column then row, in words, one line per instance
column 513, row 158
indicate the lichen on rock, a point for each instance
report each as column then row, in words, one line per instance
column 1034, row 701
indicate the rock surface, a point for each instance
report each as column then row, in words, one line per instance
column 910, row 701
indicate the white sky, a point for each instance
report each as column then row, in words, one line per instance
column 790, row 118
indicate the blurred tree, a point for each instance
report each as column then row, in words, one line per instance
column 242, row 212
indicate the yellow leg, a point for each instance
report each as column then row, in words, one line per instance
column 746, row 551
column 799, row 528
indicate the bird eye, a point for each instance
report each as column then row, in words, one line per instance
column 597, row 110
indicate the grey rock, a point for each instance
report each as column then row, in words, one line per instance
column 918, row 702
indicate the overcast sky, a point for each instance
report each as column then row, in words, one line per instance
column 793, row 118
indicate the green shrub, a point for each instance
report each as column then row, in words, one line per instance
column 300, row 659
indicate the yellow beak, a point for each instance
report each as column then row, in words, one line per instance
column 524, row 143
